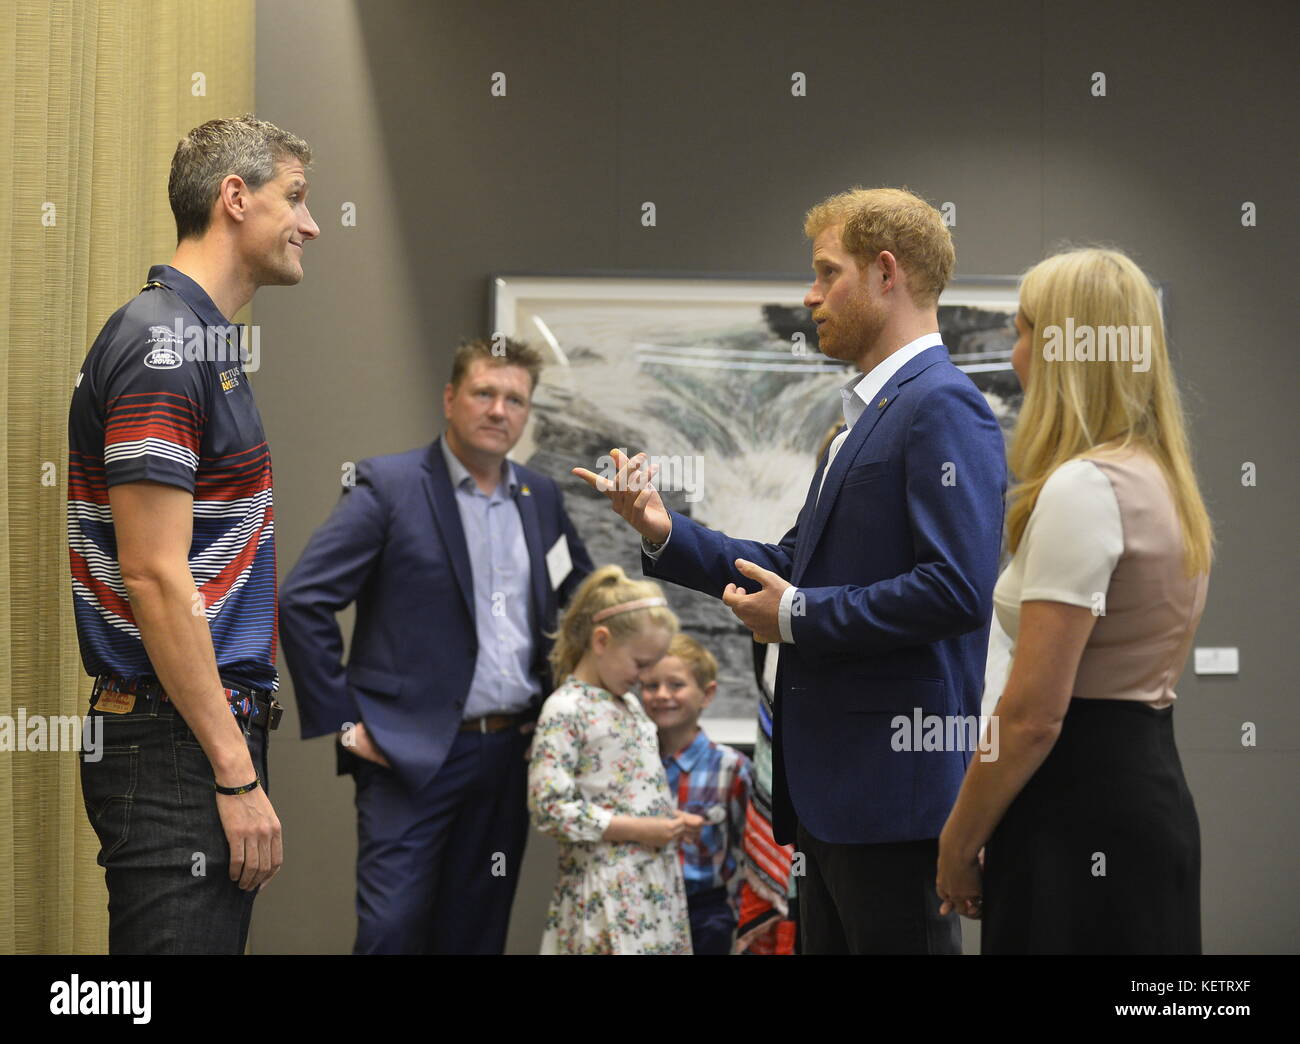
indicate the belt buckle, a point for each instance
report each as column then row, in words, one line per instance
column 264, row 703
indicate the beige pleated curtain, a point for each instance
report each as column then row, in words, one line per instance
column 93, row 98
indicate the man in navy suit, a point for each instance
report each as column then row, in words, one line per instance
column 880, row 595
column 458, row 560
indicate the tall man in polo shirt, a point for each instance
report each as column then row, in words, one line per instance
column 458, row 560
column 172, row 553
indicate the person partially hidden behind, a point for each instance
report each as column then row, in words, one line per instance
column 769, row 894
column 880, row 594
column 707, row 779
column 458, row 560
column 171, row 544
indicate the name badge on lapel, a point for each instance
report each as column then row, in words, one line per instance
column 558, row 562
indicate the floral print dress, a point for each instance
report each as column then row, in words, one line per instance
column 596, row 755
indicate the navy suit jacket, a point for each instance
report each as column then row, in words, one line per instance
column 895, row 566
column 394, row 544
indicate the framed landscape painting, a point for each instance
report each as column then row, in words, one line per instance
column 721, row 380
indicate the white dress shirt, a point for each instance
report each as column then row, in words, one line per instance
column 857, row 394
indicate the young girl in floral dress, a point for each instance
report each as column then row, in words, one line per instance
column 597, row 785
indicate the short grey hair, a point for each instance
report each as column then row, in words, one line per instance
column 245, row 146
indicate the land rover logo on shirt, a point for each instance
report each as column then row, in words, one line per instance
column 162, row 355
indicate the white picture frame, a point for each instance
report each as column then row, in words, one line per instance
column 613, row 341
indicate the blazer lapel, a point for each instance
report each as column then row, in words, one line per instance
column 856, row 439
column 538, row 575
column 442, row 499
column 834, row 479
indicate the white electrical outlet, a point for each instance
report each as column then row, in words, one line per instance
column 1215, row 661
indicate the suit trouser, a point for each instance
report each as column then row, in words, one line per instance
column 437, row 869
column 872, row 899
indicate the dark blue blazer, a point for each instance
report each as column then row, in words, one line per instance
column 394, row 544
column 896, row 568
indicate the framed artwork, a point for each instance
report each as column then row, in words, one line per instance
column 719, row 379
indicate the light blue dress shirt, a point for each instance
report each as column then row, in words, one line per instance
column 501, row 568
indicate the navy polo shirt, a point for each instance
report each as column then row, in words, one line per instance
column 160, row 398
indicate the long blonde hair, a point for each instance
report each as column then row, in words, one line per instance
column 607, row 586
column 1073, row 406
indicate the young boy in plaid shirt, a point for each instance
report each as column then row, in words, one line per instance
column 709, row 779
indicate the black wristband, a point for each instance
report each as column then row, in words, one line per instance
column 238, row 790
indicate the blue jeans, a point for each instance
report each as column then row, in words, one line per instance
column 165, row 856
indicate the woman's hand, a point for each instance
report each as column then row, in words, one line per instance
column 960, row 881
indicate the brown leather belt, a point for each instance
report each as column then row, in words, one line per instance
column 492, row 723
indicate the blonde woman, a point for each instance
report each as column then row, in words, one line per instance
column 1090, row 836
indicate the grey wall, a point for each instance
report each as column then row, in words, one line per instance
column 611, row 104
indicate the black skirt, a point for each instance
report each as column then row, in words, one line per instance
column 1101, row 851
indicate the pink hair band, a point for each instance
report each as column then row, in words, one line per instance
column 627, row 607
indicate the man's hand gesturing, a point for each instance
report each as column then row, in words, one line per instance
column 632, row 495
column 761, row 611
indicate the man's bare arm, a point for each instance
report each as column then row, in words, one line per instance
column 154, row 528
